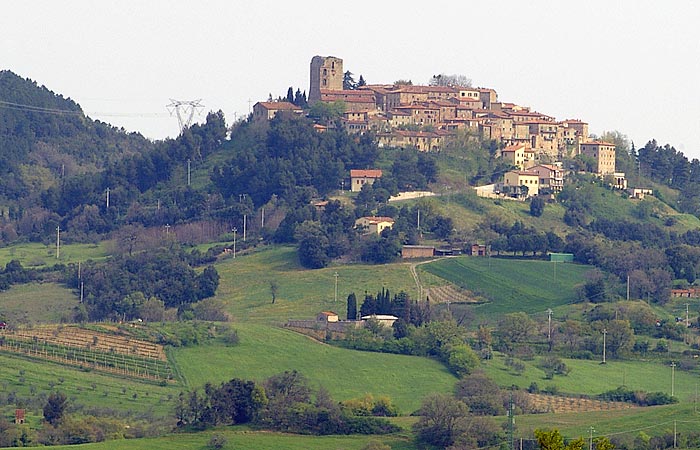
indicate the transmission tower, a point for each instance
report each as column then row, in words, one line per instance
column 184, row 109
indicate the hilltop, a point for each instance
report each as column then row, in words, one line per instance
column 220, row 236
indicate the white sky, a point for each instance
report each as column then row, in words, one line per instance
column 631, row 66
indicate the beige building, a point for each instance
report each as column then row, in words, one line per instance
column 374, row 224
column 604, row 155
column 550, row 177
column 268, row 110
column 360, row 177
column 514, row 155
column 531, row 180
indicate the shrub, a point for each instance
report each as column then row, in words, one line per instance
column 217, row 441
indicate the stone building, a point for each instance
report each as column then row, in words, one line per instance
column 327, row 74
column 604, row 155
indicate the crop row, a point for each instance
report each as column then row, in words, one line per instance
column 128, row 365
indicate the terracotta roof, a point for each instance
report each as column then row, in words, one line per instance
column 598, row 143
column 327, row 313
column 513, row 148
column 366, row 173
column 279, row 106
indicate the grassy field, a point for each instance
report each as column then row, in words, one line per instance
column 511, row 284
column 245, row 285
column 241, row 438
column 589, row 377
column 35, row 254
column 264, row 351
column 28, row 378
column 37, row 303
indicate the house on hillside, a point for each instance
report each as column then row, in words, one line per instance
column 604, row 155
column 327, row 317
column 551, row 177
column 514, row 155
column 268, row 110
column 515, row 180
column 374, row 224
column 383, row 319
column 360, row 177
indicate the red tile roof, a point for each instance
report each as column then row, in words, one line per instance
column 365, row 173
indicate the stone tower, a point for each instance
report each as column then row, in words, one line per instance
column 326, row 73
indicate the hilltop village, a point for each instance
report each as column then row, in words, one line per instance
column 427, row 117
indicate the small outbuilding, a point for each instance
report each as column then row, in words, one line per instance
column 327, row 317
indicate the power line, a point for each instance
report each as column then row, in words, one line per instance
column 67, row 112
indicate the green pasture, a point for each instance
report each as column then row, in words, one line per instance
column 244, row 285
column 590, row 377
column 28, row 378
column 265, row 351
column 511, row 284
column 627, row 424
column 36, row 254
column 239, row 438
column 37, row 303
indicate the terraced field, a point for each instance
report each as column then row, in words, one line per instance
column 92, row 349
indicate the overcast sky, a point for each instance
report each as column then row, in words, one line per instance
column 631, row 66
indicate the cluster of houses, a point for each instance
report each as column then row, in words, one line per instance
column 425, row 117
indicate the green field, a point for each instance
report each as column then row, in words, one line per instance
column 37, row 303
column 512, row 285
column 302, row 293
column 241, row 438
column 28, row 378
column 36, row 254
column 264, row 351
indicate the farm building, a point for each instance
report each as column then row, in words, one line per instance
column 383, row 319
column 417, row 251
column 327, row 316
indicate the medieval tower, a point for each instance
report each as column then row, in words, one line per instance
column 326, row 73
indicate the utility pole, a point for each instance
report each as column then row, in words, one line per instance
column 107, row 198
column 605, row 332
column 590, row 439
column 335, row 298
column 58, row 241
column 81, row 291
column 628, row 288
column 511, row 422
column 549, row 328
column 262, row 218
column 687, row 319
column 234, row 241
column 673, row 378
column 245, row 225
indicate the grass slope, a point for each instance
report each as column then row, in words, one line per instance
column 35, row 254
column 302, row 293
column 238, row 438
column 28, row 378
column 37, row 303
column 264, row 351
column 511, row 284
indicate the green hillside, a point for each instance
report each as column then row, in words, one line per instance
column 245, row 285
column 265, row 351
column 511, row 285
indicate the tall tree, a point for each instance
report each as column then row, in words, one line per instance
column 55, row 407
column 352, row 307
